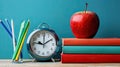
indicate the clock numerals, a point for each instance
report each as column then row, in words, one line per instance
column 34, row 39
column 38, row 52
column 51, row 49
column 47, row 52
column 34, row 48
column 32, row 44
column 43, row 34
column 38, row 35
column 51, row 39
column 52, row 44
column 43, row 53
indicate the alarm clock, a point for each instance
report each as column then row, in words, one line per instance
column 42, row 43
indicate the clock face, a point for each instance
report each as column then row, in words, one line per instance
column 43, row 43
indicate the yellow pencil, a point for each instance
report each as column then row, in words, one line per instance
column 17, row 56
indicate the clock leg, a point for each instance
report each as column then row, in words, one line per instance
column 53, row 60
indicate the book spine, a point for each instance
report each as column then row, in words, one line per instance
column 90, row 58
column 91, row 42
column 92, row 49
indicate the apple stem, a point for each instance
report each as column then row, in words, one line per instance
column 86, row 7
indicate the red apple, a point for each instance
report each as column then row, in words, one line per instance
column 84, row 24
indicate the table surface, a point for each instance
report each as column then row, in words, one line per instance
column 30, row 63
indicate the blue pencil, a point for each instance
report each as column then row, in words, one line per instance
column 9, row 32
column 10, row 28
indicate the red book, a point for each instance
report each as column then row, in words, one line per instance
column 91, row 42
column 90, row 58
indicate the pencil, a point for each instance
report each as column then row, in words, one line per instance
column 9, row 32
column 13, row 35
column 8, row 23
column 19, row 37
column 22, row 42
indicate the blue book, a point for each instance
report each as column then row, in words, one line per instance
column 91, row 49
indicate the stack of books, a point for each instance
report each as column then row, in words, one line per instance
column 96, row 50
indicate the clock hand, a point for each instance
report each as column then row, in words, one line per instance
column 38, row 43
column 47, row 41
column 44, row 38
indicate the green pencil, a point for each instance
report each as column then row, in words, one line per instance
column 23, row 28
column 22, row 42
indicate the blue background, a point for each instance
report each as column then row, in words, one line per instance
column 57, row 14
